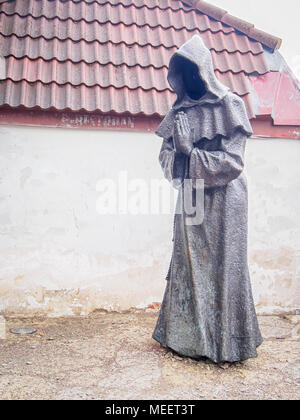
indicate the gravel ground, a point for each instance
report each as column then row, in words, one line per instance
column 112, row 356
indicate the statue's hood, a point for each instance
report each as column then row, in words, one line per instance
column 217, row 112
column 195, row 51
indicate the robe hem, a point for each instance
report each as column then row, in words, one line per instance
column 217, row 361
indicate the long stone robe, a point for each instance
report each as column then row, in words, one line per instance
column 208, row 309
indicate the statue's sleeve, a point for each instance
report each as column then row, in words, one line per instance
column 218, row 168
column 172, row 163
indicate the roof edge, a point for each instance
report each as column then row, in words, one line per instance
column 263, row 126
column 240, row 25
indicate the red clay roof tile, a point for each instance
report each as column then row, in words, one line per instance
column 140, row 57
column 90, row 11
column 236, row 23
column 91, row 31
column 81, row 13
column 86, row 74
column 130, row 35
column 81, row 97
column 112, row 55
column 105, row 75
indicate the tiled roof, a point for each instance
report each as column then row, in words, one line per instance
column 240, row 25
column 112, row 55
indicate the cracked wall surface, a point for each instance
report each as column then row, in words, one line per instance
column 59, row 256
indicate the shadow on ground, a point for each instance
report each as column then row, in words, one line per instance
column 112, row 356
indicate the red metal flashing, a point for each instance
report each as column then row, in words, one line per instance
column 263, row 127
column 277, row 95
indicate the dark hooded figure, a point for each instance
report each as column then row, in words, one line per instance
column 207, row 308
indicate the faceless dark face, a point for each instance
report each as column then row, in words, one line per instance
column 193, row 84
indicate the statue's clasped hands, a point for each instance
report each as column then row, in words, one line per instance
column 183, row 135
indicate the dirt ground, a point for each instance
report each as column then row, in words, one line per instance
column 112, row 356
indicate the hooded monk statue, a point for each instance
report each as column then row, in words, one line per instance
column 207, row 309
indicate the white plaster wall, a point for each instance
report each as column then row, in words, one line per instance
column 273, row 170
column 59, row 256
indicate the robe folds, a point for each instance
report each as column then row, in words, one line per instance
column 208, row 308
